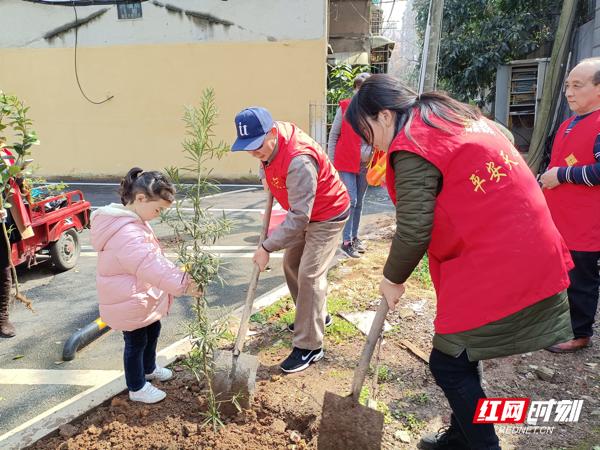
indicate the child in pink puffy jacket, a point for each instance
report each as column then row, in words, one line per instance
column 136, row 283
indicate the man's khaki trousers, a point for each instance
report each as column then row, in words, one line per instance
column 305, row 265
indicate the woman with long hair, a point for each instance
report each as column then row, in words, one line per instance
column 464, row 195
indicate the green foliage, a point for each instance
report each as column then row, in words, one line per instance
column 364, row 399
column 15, row 122
column 40, row 188
column 337, row 304
column 16, row 135
column 193, row 232
column 384, row 374
column 421, row 274
column 479, row 35
column 334, row 373
column 411, row 422
column 340, row 81
column 341, row 330
column 263, row 316
column 420, row 398
column 340, row 85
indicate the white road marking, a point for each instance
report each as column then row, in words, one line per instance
column 34, row 429
column 213, row 248
column 237, row 191
column 219, row 255
column 70, row 377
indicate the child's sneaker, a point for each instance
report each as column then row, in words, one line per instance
column 160, row 374
column 147, row 394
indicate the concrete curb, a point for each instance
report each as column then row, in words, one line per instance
column 67, row 411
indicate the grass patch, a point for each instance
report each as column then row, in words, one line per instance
column 337, row 304
column 420, row 398
column 410, row 422
column 228, row 337
column 283, row 313
column 384, row 374
column 592, row 443
column 380, row 406
column 420, row 276
column 285, row 342
column 340, row 330
column 334, row 373
column 278, row 310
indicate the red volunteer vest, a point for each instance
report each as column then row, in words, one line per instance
column 575, row 208
column 331, row 199
column 494, row 249
column 347, row 149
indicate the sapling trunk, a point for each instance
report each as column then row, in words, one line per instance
column 194, row 232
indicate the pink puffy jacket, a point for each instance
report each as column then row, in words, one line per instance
column 135, row 281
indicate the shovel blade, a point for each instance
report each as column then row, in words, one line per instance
column 234, row 376
column 349, row 425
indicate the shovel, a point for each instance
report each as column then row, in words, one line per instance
column 234, row 375
column 345, row 423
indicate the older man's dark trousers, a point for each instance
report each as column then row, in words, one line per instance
column 583, row 292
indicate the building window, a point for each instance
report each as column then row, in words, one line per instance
column 129, row 11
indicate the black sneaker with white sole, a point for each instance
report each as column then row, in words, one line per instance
column 359, row 245
column 350, row 251
column 300, row 359
column 328, row 322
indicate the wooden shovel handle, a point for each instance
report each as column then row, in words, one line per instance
column 241, row 336
column 365, row 358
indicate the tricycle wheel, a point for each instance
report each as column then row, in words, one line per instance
column 65, row 251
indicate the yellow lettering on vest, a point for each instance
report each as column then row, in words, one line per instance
column 277, row 183
column 507, row 160
column 494, row 171
column 477, row 182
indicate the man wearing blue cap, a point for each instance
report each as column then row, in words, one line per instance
column 305, row 183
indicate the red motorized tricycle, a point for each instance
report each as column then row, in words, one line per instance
column 56, row 222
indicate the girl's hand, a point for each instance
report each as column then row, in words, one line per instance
column 3, row 215
column 193, row 290
column 392, row 292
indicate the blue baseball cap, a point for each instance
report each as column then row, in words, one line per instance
column 252, row 125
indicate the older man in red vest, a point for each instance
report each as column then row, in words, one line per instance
column 572, row 189
column 305, row 183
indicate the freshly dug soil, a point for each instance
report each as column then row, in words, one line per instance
column 287, row 408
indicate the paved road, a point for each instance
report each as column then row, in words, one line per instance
column 67, row 301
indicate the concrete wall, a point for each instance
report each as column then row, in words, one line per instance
column 271, row 54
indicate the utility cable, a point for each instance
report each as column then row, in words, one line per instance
column 75, row 61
